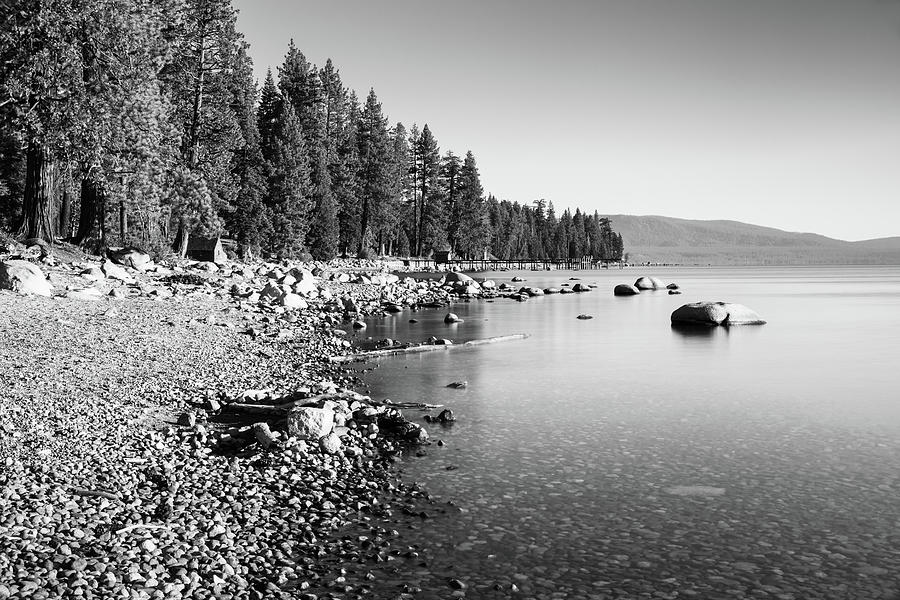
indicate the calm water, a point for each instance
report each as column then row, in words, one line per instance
column 569, row 448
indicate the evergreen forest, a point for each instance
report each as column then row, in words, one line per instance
column 140, row 123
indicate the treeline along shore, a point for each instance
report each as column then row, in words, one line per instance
column 135, row 123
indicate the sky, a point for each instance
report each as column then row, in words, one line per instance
column 783, row 113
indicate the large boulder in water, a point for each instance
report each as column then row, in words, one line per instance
column 623, row 289
column 580, row 287
column 23, row 277
column 310, row 423
column 649, row 283
column 453, row 277
column 715, row 313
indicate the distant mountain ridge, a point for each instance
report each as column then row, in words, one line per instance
column 661, row 239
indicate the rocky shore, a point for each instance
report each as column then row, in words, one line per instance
column 177, row 430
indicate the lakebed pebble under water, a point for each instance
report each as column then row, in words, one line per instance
column 633, row 481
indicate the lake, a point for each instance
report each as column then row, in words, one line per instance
column 618, row 457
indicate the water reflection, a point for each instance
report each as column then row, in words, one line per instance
column 697, row 330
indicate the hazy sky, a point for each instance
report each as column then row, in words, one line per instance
column 776, row 112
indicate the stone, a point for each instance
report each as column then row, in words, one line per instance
column 114, row 271
column 516, row 279
column 584, row 317
column 551, row 290
column 413, row 432
column 715, row 313
column 458, row 385
column 455, row 277
column 131, row 257
column 359, row 324
column 452, row 318
column 24, row 278
column 331, row 443
column 649, row 283
column 187, row 419
column 488, row 284
column 93, row 274
column 623, row 289
column 580, row 287
column 672, row 286
column 446, row 416
column 293, row 301
column 674, row 292
column 306, row 283
column 263, row 434
column 309, row 423
column 88, row 293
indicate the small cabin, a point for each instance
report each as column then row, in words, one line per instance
column 206, row 249
column 443, row 255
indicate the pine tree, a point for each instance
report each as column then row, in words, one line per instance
column 289, row 187
column 323, row 237
column 473, row 229
column 344, row 178
column 249, row 223
column 267, row 116
column 374, row 174
column 432, row 225
column 450, row 167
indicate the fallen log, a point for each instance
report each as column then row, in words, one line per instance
column 425, row 348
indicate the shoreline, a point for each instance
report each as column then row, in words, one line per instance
column 108, row 487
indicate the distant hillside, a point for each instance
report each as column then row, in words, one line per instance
column 683, row 241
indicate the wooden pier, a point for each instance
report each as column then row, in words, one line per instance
column 515, row 264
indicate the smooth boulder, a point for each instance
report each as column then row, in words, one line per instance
column 715, row 313
column 310, row 423
column 452, row 318
column 454, row 276
column 581, row 288
column 624, row 289
column 649, row 283
column 25, row 278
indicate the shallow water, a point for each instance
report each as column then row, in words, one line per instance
column 618, row 457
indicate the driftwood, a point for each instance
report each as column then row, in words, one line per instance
column 425, row 348
column 279, row 409
column 94, row 493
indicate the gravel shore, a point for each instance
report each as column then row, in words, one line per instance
column 115, row 478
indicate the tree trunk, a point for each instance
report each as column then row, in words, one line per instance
column 180, row 245
column 36, row 209
column 123, row 223
column 65, row 214
column 91, row 220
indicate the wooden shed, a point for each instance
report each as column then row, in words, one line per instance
column 206, row 249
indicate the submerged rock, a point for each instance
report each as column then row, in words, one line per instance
column 715, row 313
column 580, row 287
column 584, row 317
column 452, row 318
column 623, row 289
column 695, row 490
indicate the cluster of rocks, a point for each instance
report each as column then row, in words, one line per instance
column 644, row 284
column 228, row 503
column 187, row 512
